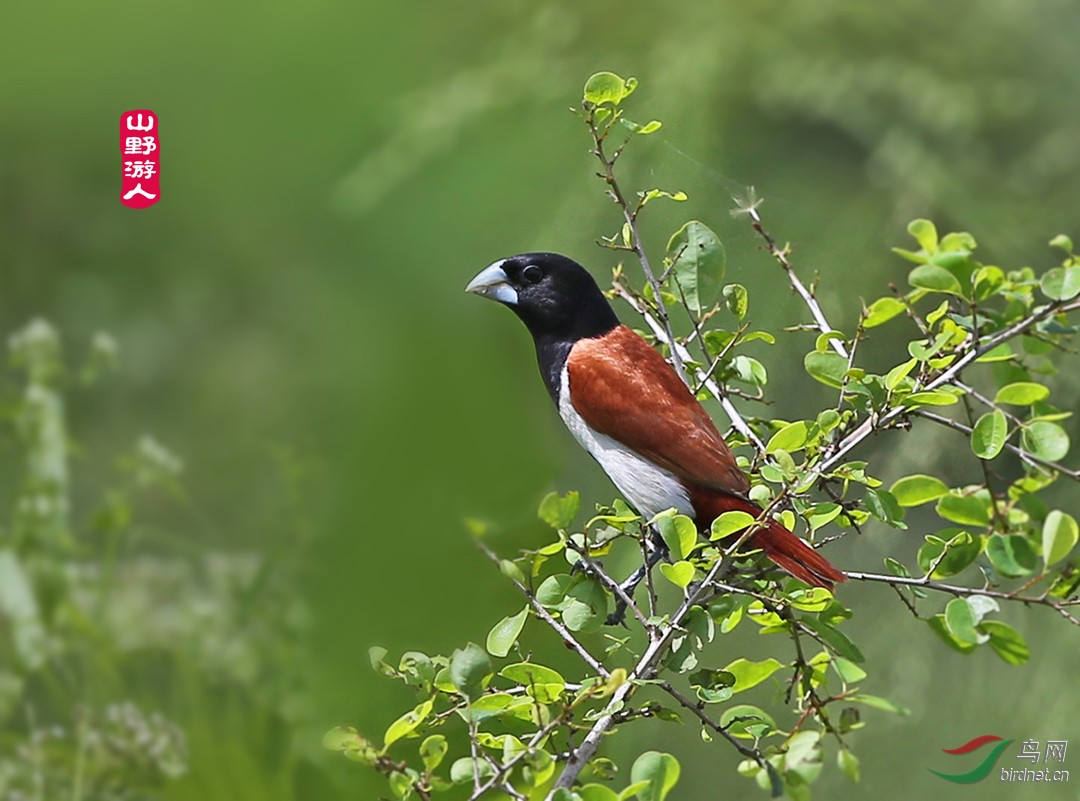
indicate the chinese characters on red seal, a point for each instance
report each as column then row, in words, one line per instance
column 140, row 153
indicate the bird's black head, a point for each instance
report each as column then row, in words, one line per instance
column 554, row 296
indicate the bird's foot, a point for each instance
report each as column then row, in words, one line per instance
column 657, row 550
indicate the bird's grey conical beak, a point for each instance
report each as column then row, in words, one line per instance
column 492, row 282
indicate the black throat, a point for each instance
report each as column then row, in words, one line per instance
column 553, row 345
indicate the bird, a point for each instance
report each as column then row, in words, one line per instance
column 628, row 408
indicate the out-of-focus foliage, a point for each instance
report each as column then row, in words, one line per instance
column 105, row 620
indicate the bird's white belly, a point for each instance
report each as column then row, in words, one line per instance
column 649, row 489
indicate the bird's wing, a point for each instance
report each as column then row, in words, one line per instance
column 623, row 388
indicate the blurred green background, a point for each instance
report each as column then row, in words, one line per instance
column 291, row 322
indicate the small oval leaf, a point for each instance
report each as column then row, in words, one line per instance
column 505, row 633
column 1059, row 535
column 918, row 489
column 989, row 434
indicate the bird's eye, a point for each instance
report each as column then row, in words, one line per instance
column 532, row 274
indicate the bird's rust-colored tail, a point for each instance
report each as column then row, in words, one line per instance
column 786, row 549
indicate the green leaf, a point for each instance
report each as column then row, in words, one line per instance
column 951, row 260
column 930, row 398
column 925, row 234
column 849, row 671
column 730, row 522
column 750, row 674
column 790, row 438
column 464, row 769
column 967, row 510
column 539, row 681
column 738, row 299
column 1002, row 353
column 650, row 127
column 346, row 740
column 661, row 771
column 935, row 279
column 882, row 310
column 678, row 532
column 340, row 737
column 407, row 723
column 925, row 349
column 607, row 87
column 1062, row 241
column 960, row 548
column 1006, row 642
column 960, row 621
column 988, row 281
column 764, row 336
column 417, row 669
column 876, row 702
column 680, row 573
column 828, row 420
column 840, row 642
column 1011, row 555
column 432, row 751
column 918, row 489
column 746, row 721
column 899, row 373
column 1022, row 393
column 823, row 342
column 488, row 706
column 749, row 370
column 958, row 240
column 597, row 792
column 1059, row 535
column 401, row 784
column 631, row 790
column 828, row 368
column 559, row 511
column 552, row 590
column 989, row 434
column 1045, row 440
column 848, row 763
column 586, row 609
column 502, row 638
column 698, row 262
column 882, row 505
column 713, row 680
column 1061, row 283
column 469, row 669
column 511, row 571
column 822, row 514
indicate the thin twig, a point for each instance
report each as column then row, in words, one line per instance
column 1025, row 455
column 630, row 216
column 924, row 582
column 782, row 258
column 544, row 615
column 694, row 707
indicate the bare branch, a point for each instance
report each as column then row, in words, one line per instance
column 1025, row 455
column 544, row 615
column 1061, row 607
column 782, row 258
column 630, row 217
